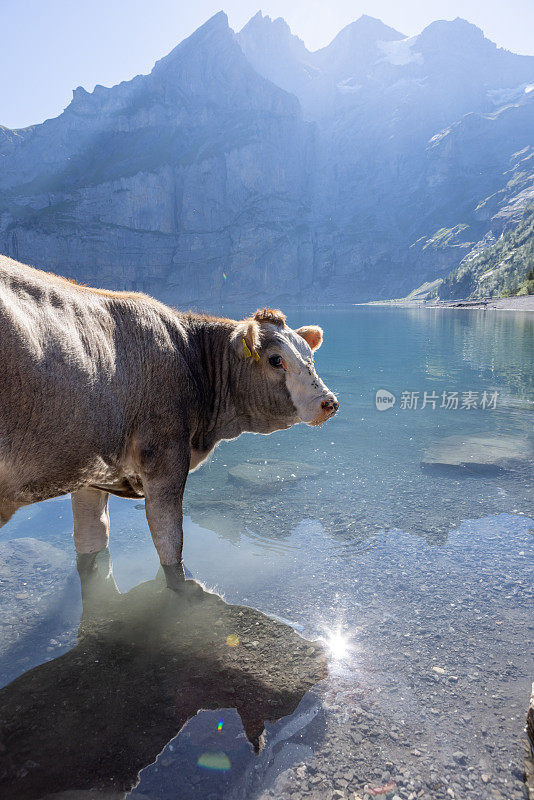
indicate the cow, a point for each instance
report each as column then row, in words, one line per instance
column 114, row 392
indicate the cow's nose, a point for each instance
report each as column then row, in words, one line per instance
column 330, row 404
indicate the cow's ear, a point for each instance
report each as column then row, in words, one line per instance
column 246, row 338
column 313, row 334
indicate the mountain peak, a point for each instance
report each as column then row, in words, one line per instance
column 366, row 21
column 259, row 20
column 355, row 48
column 218, row 20
column 365, row 28
column 453, row 33
column 261, row 31
column 216, row 27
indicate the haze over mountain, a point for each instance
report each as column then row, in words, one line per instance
column 246, row 167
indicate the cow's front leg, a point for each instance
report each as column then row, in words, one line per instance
column 91, row 537
column 91, row 525
column 164, row 491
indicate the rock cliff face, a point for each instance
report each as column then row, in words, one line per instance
column 244, row 167
column 190, row 182
column 416, row 149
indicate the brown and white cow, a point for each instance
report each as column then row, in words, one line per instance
column 115, row 392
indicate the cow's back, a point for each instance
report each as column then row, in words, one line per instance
column 69, row 380
column 47, row 323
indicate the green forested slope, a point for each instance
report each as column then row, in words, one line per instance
column 506, row 268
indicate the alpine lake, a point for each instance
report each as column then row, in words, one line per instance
column 366, row 626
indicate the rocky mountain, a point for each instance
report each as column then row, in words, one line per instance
column 420, row 145
column 505, row 267
column 190, row 182
column 245, row 167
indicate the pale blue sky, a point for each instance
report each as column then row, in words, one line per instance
column 51, row 46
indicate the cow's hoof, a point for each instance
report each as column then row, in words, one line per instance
column 96, row 576
column 186, row 588
column 86, row 563
column 174, row 577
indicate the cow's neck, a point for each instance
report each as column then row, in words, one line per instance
column 223, row 379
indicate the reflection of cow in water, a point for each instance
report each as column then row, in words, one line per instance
column 114, row 392
column 145, row 663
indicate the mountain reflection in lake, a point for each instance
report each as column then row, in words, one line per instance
column 403, row 538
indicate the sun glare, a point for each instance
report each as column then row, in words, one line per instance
column 337, row 645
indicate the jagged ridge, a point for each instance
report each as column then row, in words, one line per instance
column 245, row 166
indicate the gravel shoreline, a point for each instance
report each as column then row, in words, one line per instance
column 525, row 303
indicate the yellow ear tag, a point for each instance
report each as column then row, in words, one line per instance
column 248, row 354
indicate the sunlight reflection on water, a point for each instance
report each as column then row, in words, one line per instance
column 337, row 645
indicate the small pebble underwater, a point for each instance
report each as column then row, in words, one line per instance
column 370, row 634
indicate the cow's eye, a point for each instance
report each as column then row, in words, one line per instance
column 275, row 361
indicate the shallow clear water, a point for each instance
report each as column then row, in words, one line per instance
column 417, row 576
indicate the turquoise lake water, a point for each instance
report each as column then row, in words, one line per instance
column 406, row 545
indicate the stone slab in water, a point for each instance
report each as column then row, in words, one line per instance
column 266, row 473
column 144, row 664
column 484, row 452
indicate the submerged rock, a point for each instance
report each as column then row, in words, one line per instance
column 481, row 452
column 264, row 474
column 33, row 575
column 29, row 556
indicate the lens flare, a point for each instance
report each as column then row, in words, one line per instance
column 220, row 725
column 215, row 761
column 232, row 640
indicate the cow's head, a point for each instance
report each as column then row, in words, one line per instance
column 283, row 386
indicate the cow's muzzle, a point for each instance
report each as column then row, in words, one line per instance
column 329, row 406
